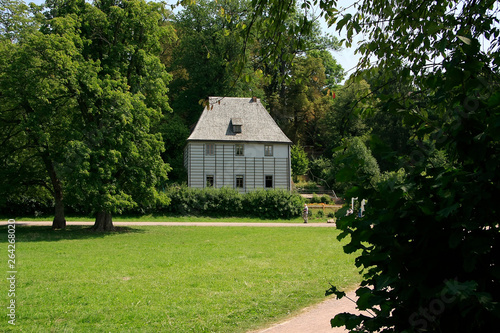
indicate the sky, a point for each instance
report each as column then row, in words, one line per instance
column 346, row 57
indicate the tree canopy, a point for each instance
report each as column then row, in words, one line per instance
column 85, row 92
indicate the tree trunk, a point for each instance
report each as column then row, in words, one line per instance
column 59, row 221
column 103, row 222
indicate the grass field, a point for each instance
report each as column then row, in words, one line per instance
column 169, row 279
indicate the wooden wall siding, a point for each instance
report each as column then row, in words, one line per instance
column 186, row 159
column 225, row 166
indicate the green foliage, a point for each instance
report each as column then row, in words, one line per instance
column 26, row 201
column 205, row 59
column 321, row 168
column 16, row 19
column 306, row 185
column 273, row 204
column 334, row 73
column 346, row 114
column 299, row 160
column 269, row 204
column 37, row 104
column 82, row 96
column 116, row 158
column 283, row 35
column 430, row 236
column 299, row 104
column 354, row 165
column 174, row 134
column 325, row 199
column 315, row 198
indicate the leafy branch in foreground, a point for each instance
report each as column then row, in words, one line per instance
column 429, row 240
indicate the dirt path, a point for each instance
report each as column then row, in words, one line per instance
column 316, row 318
column 190, row 224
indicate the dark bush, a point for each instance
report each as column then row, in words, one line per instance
column 315, row 198
column 325, row 199
column 272, row 204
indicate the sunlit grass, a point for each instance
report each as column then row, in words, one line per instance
column 171, row 279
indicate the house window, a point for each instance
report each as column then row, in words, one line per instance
column 269, row 181
column 237, row 128
column 268, row 150
column 209, row 149
column 238, row 151
column 210, row 181
column 240, row 181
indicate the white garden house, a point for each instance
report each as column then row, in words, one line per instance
column 237, row 144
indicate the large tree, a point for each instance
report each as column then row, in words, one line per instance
column 205, row 60
column 429, row 242
column 36, row 103
column 122, row 96
column 345, row 114
column 296, row 108
column 85, row 94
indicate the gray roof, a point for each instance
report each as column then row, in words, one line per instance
column 257, row 125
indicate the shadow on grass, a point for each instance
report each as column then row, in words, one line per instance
column 25, row 233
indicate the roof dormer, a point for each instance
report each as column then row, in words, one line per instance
column 236, row 125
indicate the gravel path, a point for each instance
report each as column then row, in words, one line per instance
column 316, row 318
column 190, row 224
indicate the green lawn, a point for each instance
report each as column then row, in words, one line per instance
column 170, row 279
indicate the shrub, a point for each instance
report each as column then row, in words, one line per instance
column 320, row 213
column 315, row 198
column 271, row 204
column 306, row 185
column 325, row 199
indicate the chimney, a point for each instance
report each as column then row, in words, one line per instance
column 254, row 99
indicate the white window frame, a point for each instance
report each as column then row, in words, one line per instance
column 239, row 150
column 268, row 150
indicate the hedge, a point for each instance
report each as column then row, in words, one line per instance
column 270, row 204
